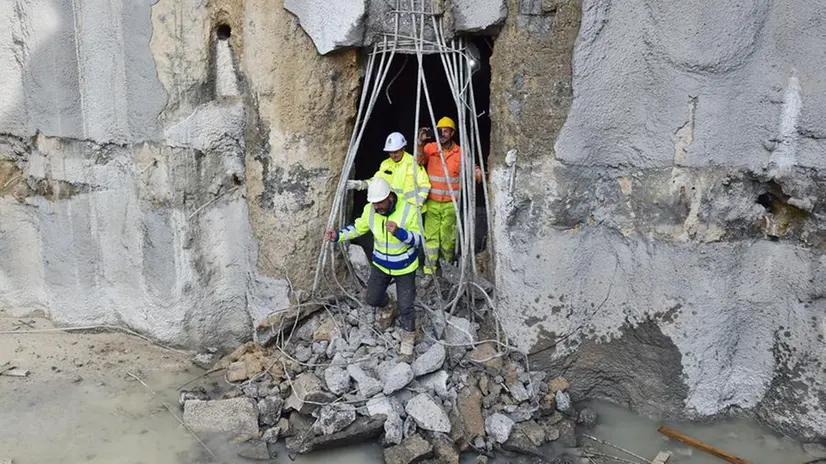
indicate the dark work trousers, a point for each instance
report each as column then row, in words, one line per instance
column 405, row 294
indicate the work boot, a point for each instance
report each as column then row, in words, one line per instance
column 407, row 344
column 386, row 316
column 426, row 281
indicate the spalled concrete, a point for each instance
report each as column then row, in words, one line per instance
column 331, row 25
column 667, row 207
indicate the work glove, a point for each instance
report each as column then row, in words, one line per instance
column 356, row 185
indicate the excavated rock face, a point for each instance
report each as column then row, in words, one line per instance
column 657, row 240
column 661, row 242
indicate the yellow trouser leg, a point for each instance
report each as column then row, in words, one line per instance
column 447, row 232
column 439, row 233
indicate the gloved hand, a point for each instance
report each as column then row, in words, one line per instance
column 356, row 185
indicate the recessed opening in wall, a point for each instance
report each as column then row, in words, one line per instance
column 223, row 32
column 395, row 111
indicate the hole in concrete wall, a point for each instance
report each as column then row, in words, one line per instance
column 765, row 200
column 397, row 114
column 223, row 32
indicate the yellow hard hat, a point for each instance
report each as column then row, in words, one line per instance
column 446, row 123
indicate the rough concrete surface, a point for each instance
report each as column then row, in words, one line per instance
column 331, row 25
column 674, row 219
column 471, row 16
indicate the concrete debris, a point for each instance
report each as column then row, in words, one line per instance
column 444, row 450
column 410, row 427
column 558, row 384
column 326, row 331
column 470, row 413
column 460, row 331
column 361, row 430
column 337, row 380
column 499, row 426
column 272, row 434
column 518, row 391
column 269, row 410
column 393, row 430
column 368, row 386
column 398, row 378
column 307, row 391
column 567, row 433
column 412, row 450
column 435, row 382
column 563, row 402
column 198, row 393
column 428, row 414
column 270, row 328
column 486, row 355
column 236, row 418
column 431, row 361
column 333, row 418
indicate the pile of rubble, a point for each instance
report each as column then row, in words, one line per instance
column 323, row 376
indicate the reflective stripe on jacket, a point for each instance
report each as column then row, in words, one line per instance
column 392, row 254
column 404, row 177
column 441, row 182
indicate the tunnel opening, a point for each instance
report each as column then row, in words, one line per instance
column 395, row 111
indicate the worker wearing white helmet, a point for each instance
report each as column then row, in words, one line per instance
column 396, row 239
column 406, row 178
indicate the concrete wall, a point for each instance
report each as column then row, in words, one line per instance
column 143, row 161
column 633, row 254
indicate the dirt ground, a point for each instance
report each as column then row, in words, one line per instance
column 80, row 405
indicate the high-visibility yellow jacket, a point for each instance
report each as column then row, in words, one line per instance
column 392, row 254
column 404, row 177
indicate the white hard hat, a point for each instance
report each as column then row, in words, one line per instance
column 378, row 190
column 395, row 141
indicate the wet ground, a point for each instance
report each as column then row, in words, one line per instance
column 81, row 403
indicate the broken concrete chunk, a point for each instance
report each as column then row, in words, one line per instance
column 428, row 414
column 307, row 391
column 326, row 331
column 470, row 413
column 563, row 402
column 337, row 379
column 331, row 25
column 398, row 378
column 518, row 391
column 361, row 430
column 368, row 386
column 393, row 430
column 412, row 450
column 558, row 384
column 486, row 355
column 533, row 431
column 272, row 434
column 460, row 331
column 236, row 418
column 333, row 418
column 436, row 382
column 567, row 433
column 444, row 450
column 269, row 410
column 499, row 426
column 431, row 361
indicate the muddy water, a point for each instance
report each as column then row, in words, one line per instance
column 743, row 438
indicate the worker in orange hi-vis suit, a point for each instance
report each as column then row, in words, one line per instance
column 440, row 213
